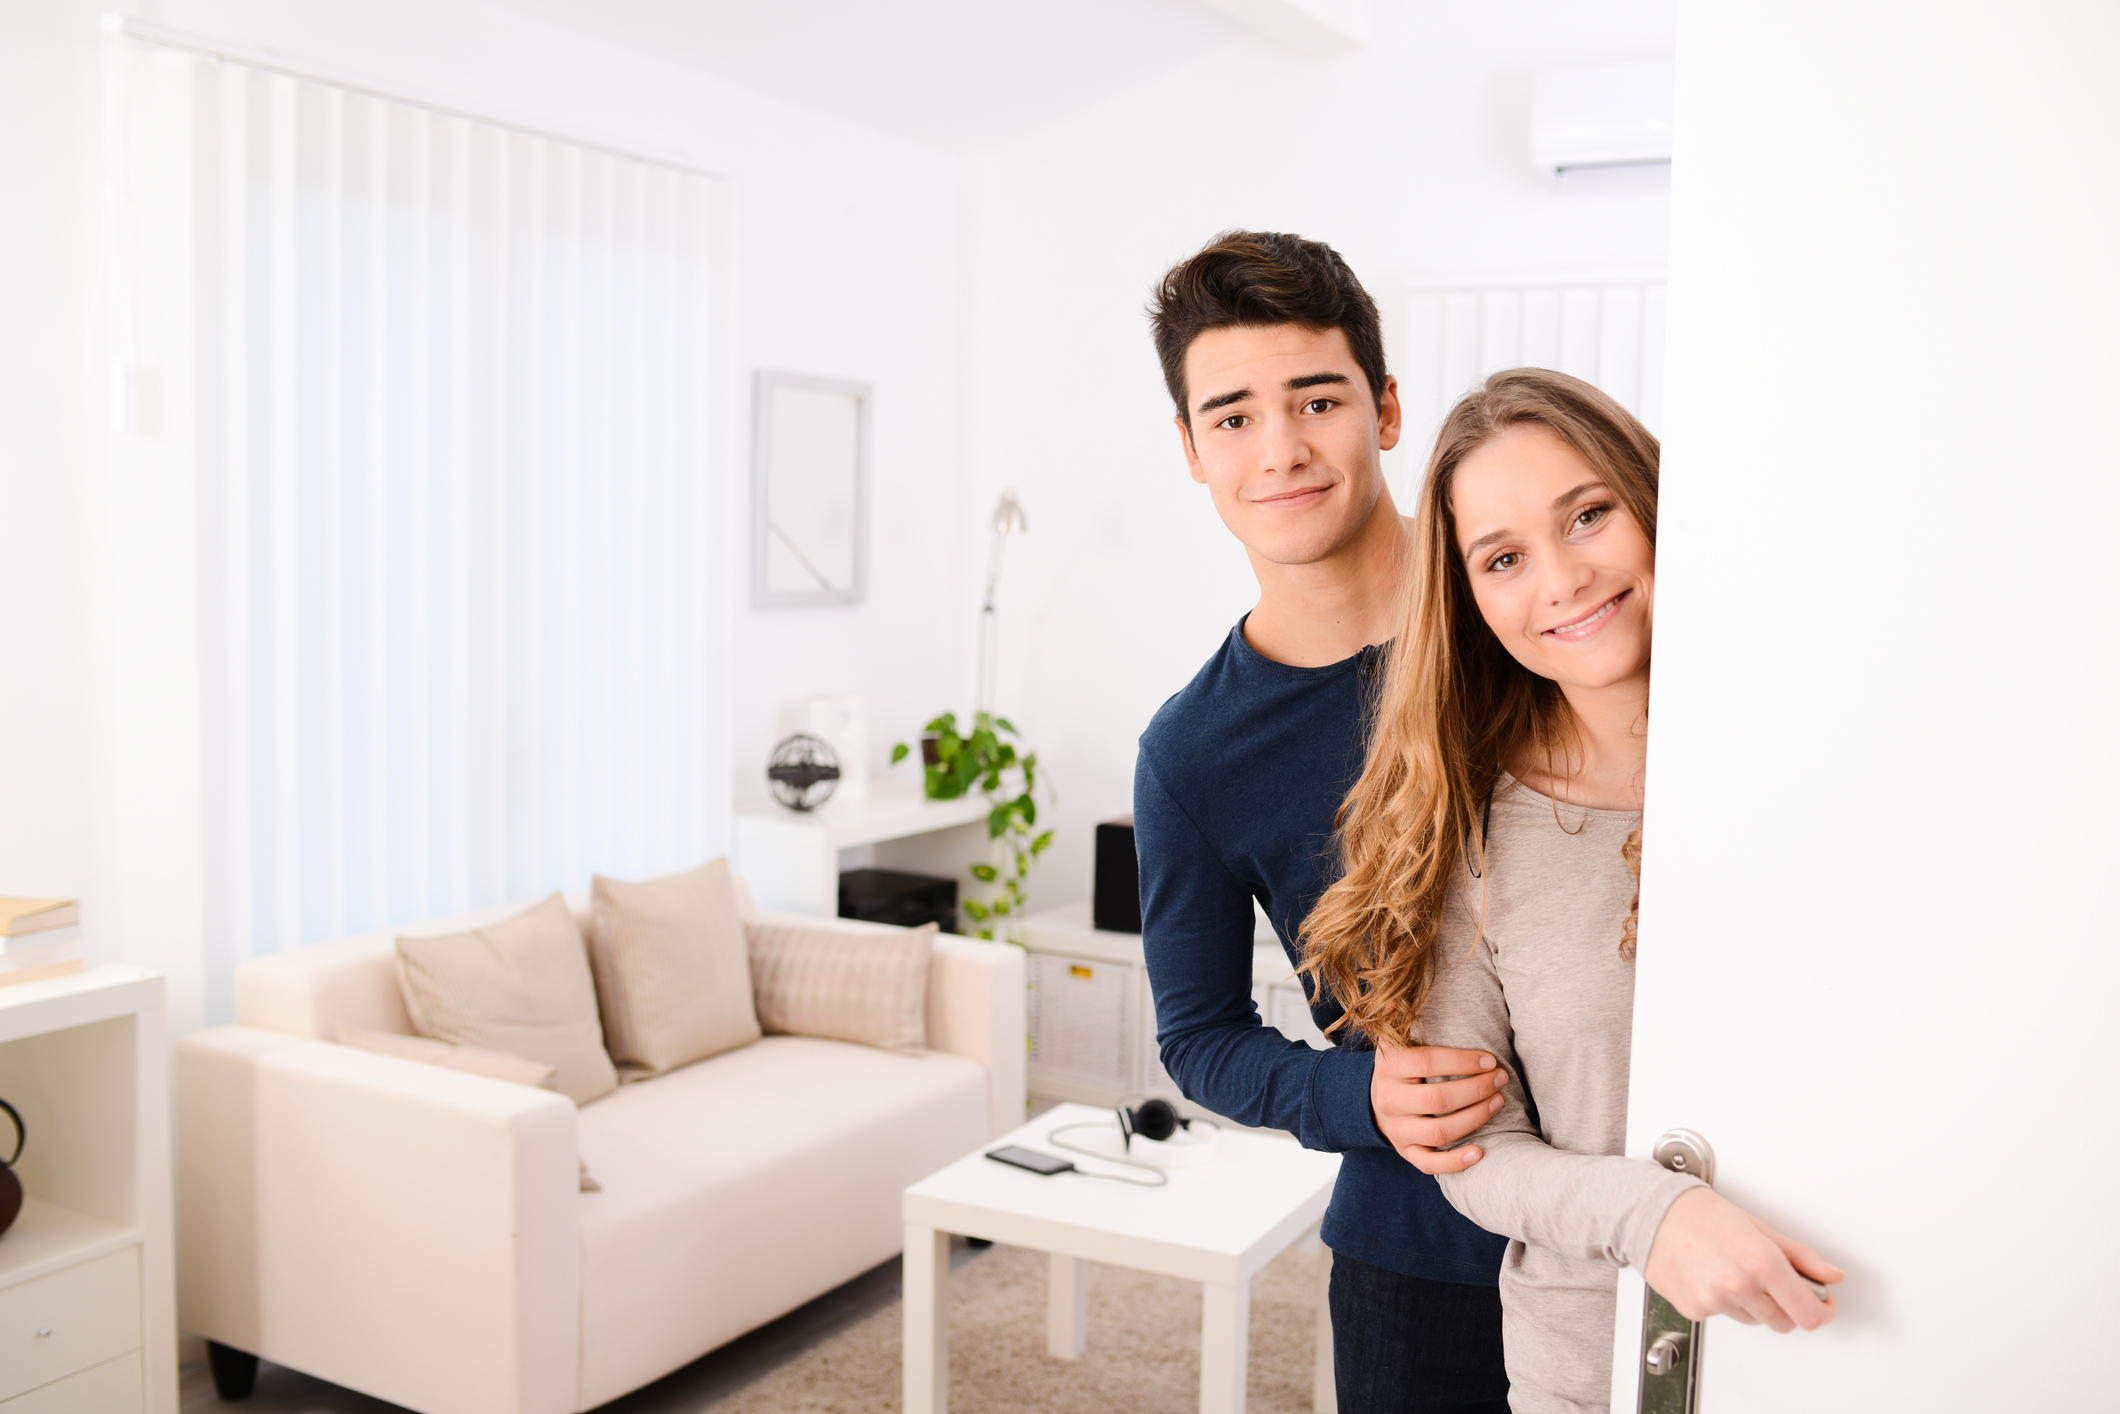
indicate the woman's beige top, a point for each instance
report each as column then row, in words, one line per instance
column 1544, row 988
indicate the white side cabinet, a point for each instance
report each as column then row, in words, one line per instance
column 1093, row 1017
column 87, row 1281
column 790, row 859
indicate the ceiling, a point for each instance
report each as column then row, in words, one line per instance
column 955, row 74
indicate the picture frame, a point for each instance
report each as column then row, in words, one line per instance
column 810, row 490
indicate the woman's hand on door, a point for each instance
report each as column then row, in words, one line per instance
column 1420, row 1110
column 1712, row 1258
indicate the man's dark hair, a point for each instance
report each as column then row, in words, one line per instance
column 1253, row 278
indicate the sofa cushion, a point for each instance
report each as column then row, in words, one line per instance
column 496, row 1065
column 521, row 986
column 310, row 991
column 738, row 1188
column 869, row 988
column 671, row 971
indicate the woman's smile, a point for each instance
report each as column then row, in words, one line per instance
column 1557, row 565
column 1580, row 628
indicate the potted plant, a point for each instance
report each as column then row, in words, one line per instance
column 957, row 763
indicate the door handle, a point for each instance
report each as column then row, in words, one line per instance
column 1665, row 1352
column 1670, row 1369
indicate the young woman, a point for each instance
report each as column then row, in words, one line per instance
column 1490, row 853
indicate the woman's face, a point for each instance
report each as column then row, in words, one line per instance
column 1559, row 569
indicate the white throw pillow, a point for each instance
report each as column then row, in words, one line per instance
column 671, row 970
column 521, row 986
column 843, row 985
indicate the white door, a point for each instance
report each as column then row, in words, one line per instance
column 1881, row 905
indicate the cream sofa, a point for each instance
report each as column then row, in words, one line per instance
column 417, row 1233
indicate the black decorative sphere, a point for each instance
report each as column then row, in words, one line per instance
column 804, row 772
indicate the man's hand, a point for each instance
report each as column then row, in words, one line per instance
column 1419, row 1117
column 1712, row 1258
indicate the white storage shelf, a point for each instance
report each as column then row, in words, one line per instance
column 1093, row 1019
column 87, row 1289
column 791, row 859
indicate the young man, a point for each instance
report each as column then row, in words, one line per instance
column 1272, row 353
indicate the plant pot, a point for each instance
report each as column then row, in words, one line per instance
column 935, row 781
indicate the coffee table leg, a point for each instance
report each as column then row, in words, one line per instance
column 927, row 1331
column 1225, row 1343
column 1067, row 1307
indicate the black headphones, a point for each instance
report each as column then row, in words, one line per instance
column 1155, row 1119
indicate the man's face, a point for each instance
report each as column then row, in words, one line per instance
column 1285, row 436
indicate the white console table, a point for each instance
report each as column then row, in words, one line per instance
column 88, row 1316
column 791, row 858
column 1093, row 1019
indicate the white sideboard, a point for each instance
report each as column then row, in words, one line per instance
column 791, row 859
column 88, row 1319
column 1093, row 1018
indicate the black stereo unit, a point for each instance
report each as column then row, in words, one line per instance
column 889, row 896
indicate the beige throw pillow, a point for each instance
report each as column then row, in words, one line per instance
column 521, row 986
column 494, row 1065
column 671, row 971
column 841, row 985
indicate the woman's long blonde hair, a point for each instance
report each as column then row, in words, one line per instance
column 1453, row 708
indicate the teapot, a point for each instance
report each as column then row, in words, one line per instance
column 10, row 1184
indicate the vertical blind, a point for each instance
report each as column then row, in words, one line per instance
column 1610, row 334
column 462, row 555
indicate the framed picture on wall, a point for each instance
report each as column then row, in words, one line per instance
column 809, row 491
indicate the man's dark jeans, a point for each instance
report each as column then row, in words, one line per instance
column 1403, row 1345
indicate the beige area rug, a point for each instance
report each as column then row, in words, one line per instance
column 1143, row 1355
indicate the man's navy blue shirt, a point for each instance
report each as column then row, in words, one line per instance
column 1235, row 790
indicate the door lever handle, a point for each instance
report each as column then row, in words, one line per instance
column 1670, row 1373
column 1664, row 1353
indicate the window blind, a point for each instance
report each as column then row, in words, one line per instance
column 1606, row 332
column 448, row 390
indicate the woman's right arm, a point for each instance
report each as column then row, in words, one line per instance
column 1701, row 1252
column 1585, row 1205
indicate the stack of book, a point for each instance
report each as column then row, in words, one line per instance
column 39, row 938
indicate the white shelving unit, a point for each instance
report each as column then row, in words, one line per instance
column 87, row 1276
column 1093, row 1019
column 791, row 858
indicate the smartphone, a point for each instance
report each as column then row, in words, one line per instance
column 1030, row 1159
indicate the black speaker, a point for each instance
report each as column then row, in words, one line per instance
column 1115, row 896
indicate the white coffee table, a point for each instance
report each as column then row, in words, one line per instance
column 1217, row 1223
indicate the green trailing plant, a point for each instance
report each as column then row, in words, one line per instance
column 959, row 763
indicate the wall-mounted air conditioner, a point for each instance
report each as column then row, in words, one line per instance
column 1611, row 115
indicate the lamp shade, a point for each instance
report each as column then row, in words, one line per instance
column 1008, row 515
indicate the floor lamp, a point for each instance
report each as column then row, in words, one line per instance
column 1007, row 520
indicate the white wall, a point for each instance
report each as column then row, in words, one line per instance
column 1411, row 157
column 844, row 259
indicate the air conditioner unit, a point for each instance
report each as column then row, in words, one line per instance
column 1610, row 115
